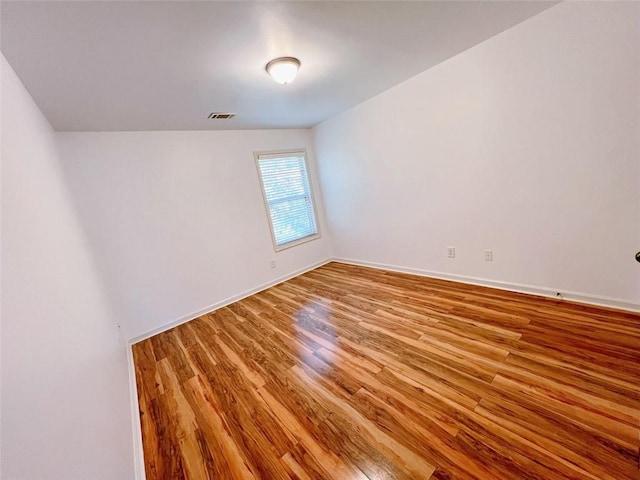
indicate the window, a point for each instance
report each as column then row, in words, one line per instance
column 287, row 195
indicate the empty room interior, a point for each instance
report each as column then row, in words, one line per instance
column 347, row 240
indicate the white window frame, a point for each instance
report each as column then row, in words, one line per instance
column 284, row 153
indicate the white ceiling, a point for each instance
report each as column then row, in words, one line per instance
column 153, row 65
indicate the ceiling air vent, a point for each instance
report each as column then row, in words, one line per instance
column 221, row 115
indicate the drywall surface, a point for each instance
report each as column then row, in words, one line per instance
column 177, row 220
column 65, row 402
column 527, row 144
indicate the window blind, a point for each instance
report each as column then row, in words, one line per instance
column 287, row 193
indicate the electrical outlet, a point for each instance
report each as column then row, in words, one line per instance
column 488, row 255
column 272, row 264
column 451, row 252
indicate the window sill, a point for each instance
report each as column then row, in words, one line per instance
column 300, row 241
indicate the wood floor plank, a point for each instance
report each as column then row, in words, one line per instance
column 348, row 372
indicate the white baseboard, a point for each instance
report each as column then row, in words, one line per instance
column 226, row 301
column 138, row 451
column 513, row 287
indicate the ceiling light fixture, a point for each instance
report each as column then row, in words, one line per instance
column 284, row 69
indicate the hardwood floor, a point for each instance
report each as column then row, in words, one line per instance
column 355, row 373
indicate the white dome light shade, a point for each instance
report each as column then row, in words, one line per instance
column 283, row 70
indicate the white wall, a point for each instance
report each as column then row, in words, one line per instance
column 65, row 403
column 527, row 144
column 177, row 220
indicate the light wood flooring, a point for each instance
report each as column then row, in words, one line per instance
column 352, row 373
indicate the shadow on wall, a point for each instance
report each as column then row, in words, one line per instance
column 65, row 402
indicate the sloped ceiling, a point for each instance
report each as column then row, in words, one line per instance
column 152, row 65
